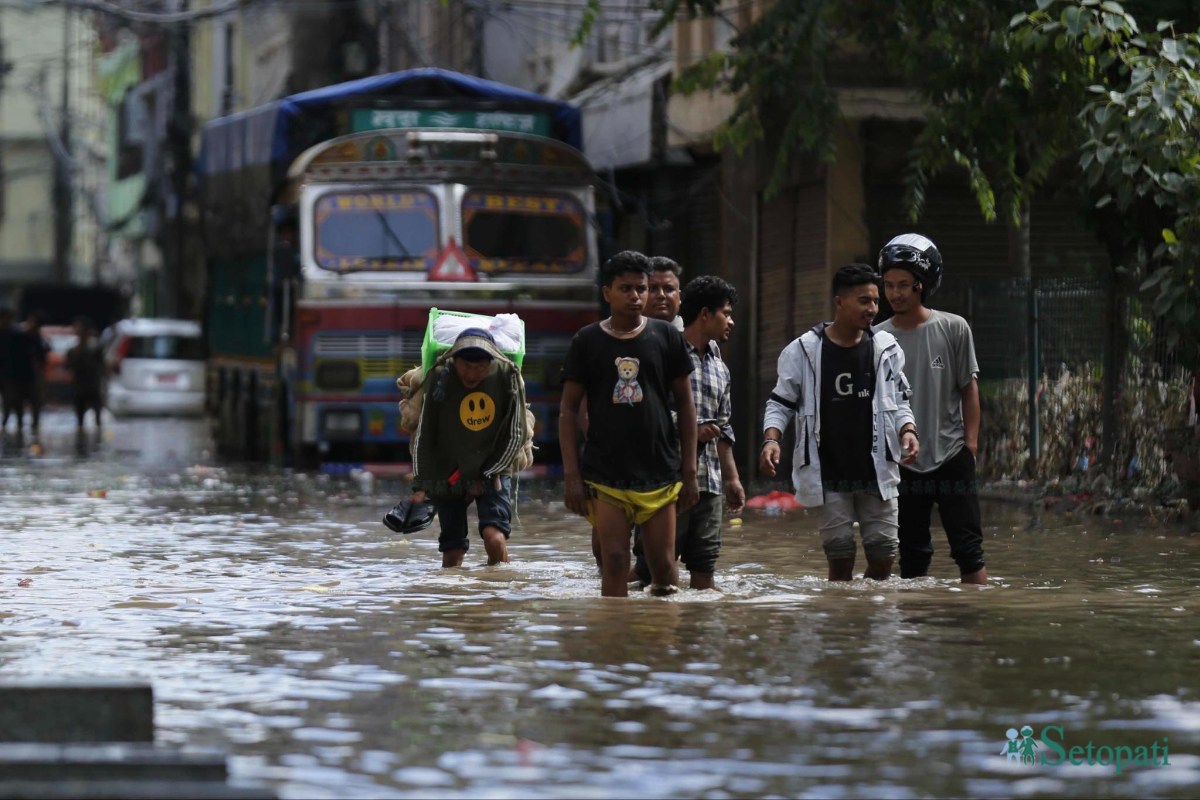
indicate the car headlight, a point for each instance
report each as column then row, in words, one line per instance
column 337, row 375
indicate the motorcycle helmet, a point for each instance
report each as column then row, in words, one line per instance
column 918, row 255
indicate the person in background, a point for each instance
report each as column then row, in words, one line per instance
column 663, row 297
column 8, row 345
column 844, row 386
column 465, row 448
column 27, row 371
column 707, row 312
column 85, row 362
column 635, row 468
column 940, row 353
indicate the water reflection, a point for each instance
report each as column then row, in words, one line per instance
column 277, row 617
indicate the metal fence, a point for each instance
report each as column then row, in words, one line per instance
column 1071, row 326
column 1072, row 340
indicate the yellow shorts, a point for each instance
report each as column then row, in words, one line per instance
column 638, row 506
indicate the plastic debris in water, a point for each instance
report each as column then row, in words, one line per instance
column 782, row 501
column 1134, row 469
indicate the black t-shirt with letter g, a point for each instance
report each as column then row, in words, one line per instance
column 631, row 442
column 847, row 421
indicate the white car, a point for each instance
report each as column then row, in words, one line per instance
column 156, row 366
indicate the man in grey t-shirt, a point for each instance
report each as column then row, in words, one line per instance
column 939, row 358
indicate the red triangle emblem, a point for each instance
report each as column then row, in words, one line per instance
column 452, row 265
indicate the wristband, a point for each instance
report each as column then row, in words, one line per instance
column 913, row 431
column 767, row 442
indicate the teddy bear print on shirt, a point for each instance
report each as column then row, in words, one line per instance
column 627, row 390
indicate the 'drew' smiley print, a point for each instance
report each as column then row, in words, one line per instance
column 477, row 411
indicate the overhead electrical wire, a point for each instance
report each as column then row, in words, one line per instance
column 116, row 10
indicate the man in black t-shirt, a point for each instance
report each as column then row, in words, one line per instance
column 634, row 467
column 85, row 361
column 8, row 345
column 27, row 370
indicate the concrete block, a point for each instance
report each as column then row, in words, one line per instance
column 130, row 790
column 132, row 761
column 76, row 711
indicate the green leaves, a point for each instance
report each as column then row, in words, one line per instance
column 1073, row 20
column 1009, row 93
column 591, row 13
column 1140, row 148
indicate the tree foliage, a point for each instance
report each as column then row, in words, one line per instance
column 1011, row 89
column 989, row 109
column 1141, row 151
column 776, row 71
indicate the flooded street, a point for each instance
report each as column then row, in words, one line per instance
column 277, row 618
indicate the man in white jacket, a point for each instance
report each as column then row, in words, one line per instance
column 845, row 388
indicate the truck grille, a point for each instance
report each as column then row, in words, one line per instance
column 402, row 346
column 380, row 355
column 390, row 355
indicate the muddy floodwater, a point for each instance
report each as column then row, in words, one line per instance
column 278, row 619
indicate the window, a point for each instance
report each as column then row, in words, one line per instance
column 186, row 348
column 376, row 231
column 524, row 232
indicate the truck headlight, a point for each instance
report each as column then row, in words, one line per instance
column 341, row 424
column 337, row 375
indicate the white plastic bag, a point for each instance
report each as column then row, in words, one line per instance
column 505, row 329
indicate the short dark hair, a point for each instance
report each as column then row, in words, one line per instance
column 705, row 291
column 852, row 275
column 664, row 264
column 623, row 262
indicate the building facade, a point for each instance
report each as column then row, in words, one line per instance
column 51, row 151
column 781, row 249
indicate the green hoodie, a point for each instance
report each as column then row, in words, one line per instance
column 476, row 432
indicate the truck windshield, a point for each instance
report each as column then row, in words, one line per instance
column 524, row 232
column 376, row 231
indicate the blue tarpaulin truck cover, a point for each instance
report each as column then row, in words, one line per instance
column 244, row 157
column 278, row 132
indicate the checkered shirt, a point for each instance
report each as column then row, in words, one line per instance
column 710, row 391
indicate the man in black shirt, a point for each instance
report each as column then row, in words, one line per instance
column 8, row 346
column 845, row 389
column 85, row 361
column 27, row 370
column 634, row 468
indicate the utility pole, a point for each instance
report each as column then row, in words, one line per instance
column 477, row 31
column 64, row 202
column 179, row 146
column 384, row 43
column 5, row 67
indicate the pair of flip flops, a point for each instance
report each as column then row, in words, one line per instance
column 409, row 517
